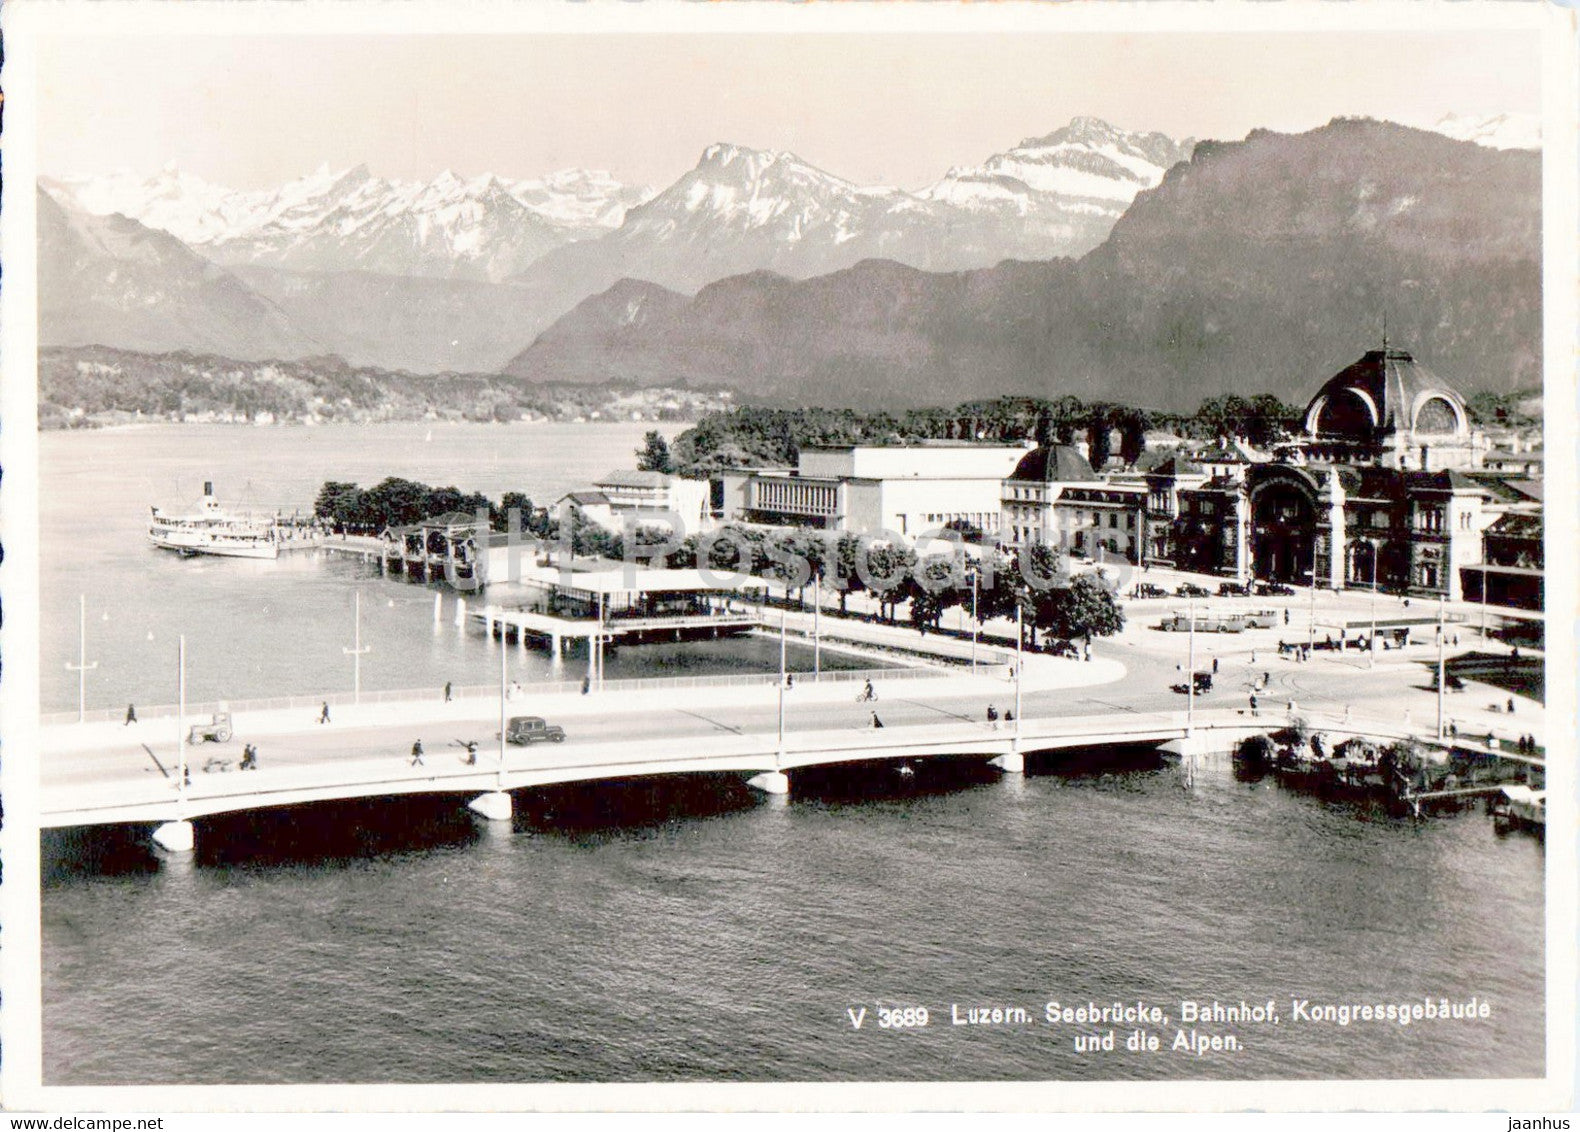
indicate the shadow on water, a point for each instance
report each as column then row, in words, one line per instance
column 1080, row 763
column 590, row 808
column 889, row 779
column 325, row 833
column 98, row 851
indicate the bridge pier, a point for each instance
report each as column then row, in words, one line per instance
column 770, row 782
column 496, row 805
column 175, row 837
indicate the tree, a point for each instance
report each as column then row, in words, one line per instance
column 654, row 455
column 1133, row 435
column 966, row 529
column 342, row 504
column 1084, row 609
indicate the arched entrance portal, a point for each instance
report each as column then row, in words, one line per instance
column 1283, row 526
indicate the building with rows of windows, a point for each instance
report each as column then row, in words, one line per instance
column 1388, row 483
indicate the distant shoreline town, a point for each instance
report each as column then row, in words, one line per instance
column 100, row 387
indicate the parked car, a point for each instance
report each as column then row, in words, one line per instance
column 1064, row 648
column 524, row 729
column 1190, row 589
column 1233, row 589
column 1274, row 589
column 1147, row 589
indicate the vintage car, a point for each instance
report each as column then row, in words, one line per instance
column 1201, row 680
column 216, row 730
column 524, row 729
column 1190, row 589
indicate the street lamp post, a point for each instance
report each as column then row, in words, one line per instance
column 1311, row 619
column 779, row 751
column 1371, row 643
column 1019, row 636
column 181, row 725
column 357, row 649
column 1442, row 636
column 1190, row 675
column 82, row 666
column 504, row 661
column 975, row 625
column 817, row 640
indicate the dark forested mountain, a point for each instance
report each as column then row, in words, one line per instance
column 1264, row 264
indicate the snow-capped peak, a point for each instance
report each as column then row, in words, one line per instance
column 1087, row 160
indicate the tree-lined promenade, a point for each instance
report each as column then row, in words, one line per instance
column 987, row 582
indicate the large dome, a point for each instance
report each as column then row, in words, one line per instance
column 1054, row 463
column 1387, row 391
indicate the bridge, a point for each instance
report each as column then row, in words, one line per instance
column 95, row 774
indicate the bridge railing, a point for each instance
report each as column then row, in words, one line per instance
column 197, row 711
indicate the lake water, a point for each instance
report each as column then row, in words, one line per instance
column 259, row 628
column 687, row 929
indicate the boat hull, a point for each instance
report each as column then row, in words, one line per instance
column 237, row 549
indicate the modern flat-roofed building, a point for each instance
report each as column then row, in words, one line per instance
column 907, row 489
column 625, row 496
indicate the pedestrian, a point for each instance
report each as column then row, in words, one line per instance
column 789, row 680
column 1511, row 705
column 471, row 752
column 1286, row 617
column 131, row 715
column 876, row 722
column 447, row 691
column 186, row 776
column 1253, row 703
column 1455, row 640
column 1253, row 656
column 1453, row 730
column 586, row 684
column 992, row 717
column 1009, row 716
column 1346, row 713
column 1215, row 666
column 416, row 754
column 323, row 713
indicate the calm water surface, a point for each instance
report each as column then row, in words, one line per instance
column 686, row 928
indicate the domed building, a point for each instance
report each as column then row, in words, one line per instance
column 1389, row 410
column 1055, row 497
column 1386, row 487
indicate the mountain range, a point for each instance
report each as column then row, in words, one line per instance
column 457, row 274
column 608, row 280
column 1261, row 265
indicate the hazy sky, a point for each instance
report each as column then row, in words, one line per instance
column 892, row 109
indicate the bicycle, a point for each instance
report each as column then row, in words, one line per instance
column 867, row 695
